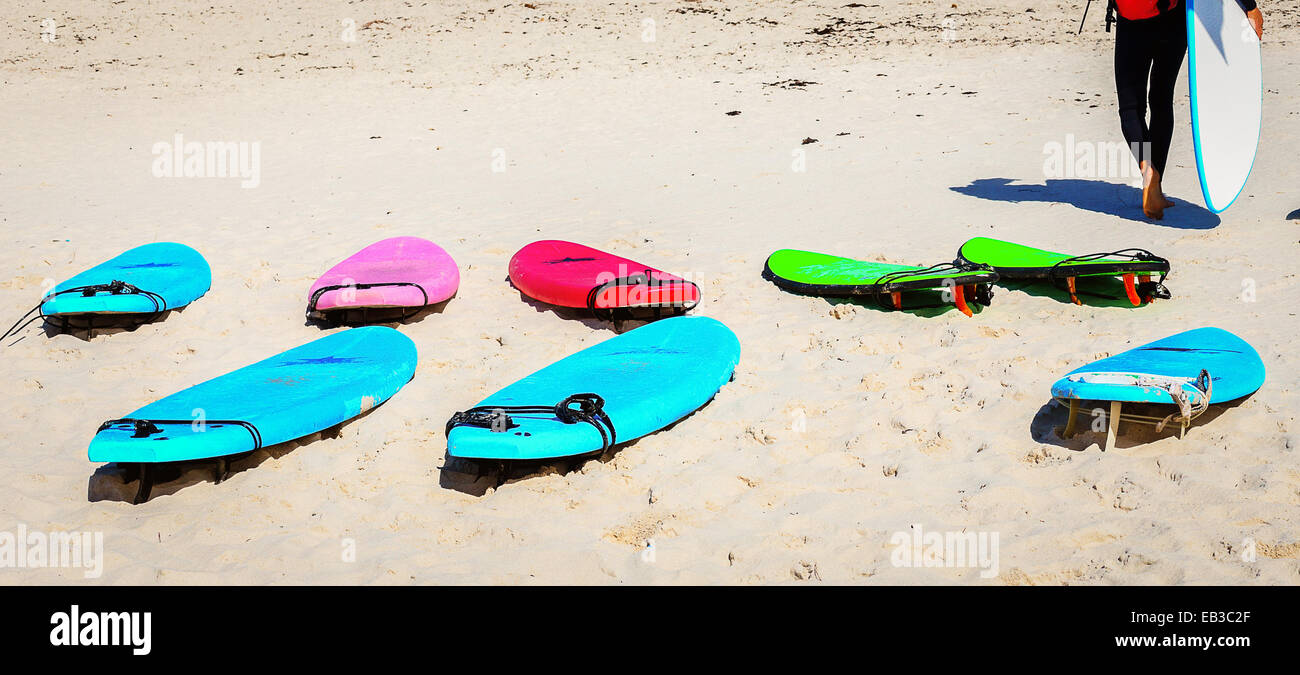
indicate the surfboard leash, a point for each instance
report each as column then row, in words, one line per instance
column 643, row 280
column 144, row 428
column 315, row 296
column 1136, row 290
column 590, row 410
column 1187, row 409
column 115, row 287
column 887, row 289
column 1110, row 15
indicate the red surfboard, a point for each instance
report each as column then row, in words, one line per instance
column 566, row 274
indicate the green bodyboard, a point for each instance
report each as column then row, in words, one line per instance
column 822, row 274
column 1016, row 261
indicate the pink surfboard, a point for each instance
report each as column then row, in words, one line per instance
column 397, row 273
column 566, row 274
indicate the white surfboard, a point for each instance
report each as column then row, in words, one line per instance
column 1225, row 78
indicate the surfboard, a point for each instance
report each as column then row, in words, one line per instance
column 1226, row 86
column 407, row 273
column 566, row 274
column 1016, row 261
column 612, row 392
column 1189, row 370
column 139, row 284
column 292, row 394
column 821, row 274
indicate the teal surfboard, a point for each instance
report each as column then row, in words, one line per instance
column 154, row 277
column 1234, row 367
column 610, row 393
column 292, row 394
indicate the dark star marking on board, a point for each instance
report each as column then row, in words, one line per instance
column 1199, row 350
column 646, row 350
column 322, row 360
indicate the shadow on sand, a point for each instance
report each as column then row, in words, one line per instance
column 85, row 327
column 925, row 304
column 475, row 478
column 118, row 482
column 618, row 326
column 1049, row 422
column 351, row 318
column 1112, row 199
column 1092, row 291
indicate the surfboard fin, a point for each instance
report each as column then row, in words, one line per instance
column 1130, row 290
column 146, row 483
column 1074, row 291
column 959, row 299
column 897, row 298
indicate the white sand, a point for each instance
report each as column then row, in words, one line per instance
column 623, row 144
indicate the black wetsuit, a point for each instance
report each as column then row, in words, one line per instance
column 1151, row 48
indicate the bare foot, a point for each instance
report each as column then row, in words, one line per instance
column 1153, row 199
column 1169, row 203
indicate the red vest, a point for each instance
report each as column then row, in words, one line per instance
column 1142, row 9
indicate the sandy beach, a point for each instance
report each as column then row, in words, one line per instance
column 881, row 131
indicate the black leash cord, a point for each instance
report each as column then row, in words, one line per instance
column 1155, row 289
column 882, row 291
column 114, row 287
column 590, row 410
column 1110, row 14
column 1134, row 254
column 145, row 428
column 315, row 297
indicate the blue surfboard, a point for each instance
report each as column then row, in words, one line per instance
column 292, row 394
column 1189, row 371
column 642, row 381
column 154, row 278
column 1234, row 367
